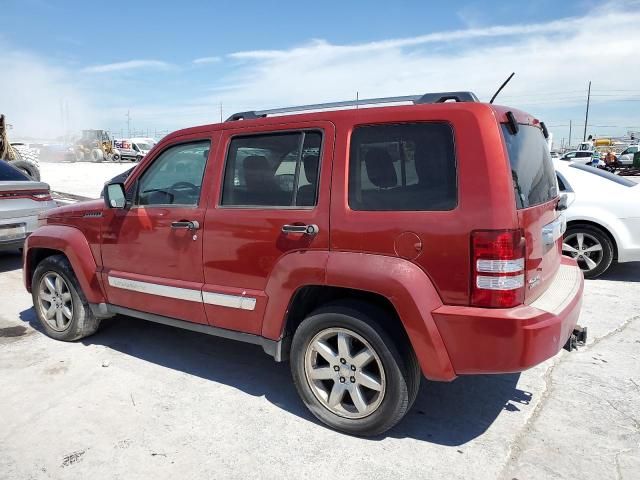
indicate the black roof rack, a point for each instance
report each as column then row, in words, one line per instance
column 437, row 97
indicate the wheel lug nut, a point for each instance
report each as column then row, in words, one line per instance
column 343, row 361
column 353, row 379
column 342, row 379
column 353, row 367
column 336, row 368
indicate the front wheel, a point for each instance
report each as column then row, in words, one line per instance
column 590, row 247
column 60, row 304
column 350, row 372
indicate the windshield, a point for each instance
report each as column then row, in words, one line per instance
column 534, row 179
column 8, row 173
column 143, row 146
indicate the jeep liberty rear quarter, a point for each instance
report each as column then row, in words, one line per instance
column 368, row 246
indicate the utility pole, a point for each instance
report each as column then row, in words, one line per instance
column 128, row 124
column 586, row 117
column 570, row 125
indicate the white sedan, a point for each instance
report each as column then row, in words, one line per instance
column 603, row 217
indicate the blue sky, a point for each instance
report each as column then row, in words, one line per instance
column 171, row 64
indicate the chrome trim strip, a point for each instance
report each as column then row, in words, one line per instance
column 231, row 301
column 221, row 299
column 178, row 293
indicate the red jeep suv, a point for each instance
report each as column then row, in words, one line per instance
column 368, row 246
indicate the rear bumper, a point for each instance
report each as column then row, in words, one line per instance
column 482, row 340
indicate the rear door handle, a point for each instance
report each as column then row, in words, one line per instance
column 185, row 225
column 305, row 229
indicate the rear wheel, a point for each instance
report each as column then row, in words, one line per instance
column 590, row 247
column 350, row 373
column 61, row 307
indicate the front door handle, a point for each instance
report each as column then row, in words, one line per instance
column 185, row 225
column 305, row 229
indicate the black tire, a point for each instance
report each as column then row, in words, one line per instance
column 608, row 250
column 29, row 169
column 83, row 322
column 401, row 369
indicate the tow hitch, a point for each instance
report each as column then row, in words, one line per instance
column 577, row 339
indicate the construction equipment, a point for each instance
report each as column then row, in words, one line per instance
column 19, row 155
column 96, row 146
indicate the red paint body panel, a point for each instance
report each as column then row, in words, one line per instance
column 411, row 293
column 242, row 246
column 483, row 340
column 72, row 243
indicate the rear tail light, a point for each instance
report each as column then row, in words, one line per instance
column 497, row 269
column 40, row 195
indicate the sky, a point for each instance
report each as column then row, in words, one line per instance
column 161, row 66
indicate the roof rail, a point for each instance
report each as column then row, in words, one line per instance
column 438, row 97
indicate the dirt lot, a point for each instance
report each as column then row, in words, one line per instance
column 140, row 400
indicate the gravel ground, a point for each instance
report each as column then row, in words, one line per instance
column 139, row 400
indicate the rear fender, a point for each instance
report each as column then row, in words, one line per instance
column 73, row 244
column 403, row 283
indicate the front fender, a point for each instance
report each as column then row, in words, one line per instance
column 73, row 244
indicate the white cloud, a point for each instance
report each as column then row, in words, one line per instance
column 41, row 99
column 128, row 65
column 553, row 62
column 204, row 60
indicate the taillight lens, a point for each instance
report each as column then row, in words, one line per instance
column 497, row 268
column 41, row 196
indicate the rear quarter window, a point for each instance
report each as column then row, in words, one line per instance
column 534, row 178
column 402, row 167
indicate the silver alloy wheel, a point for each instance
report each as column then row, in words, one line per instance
column 344, row 373
column 585, row 248
column 55, row 302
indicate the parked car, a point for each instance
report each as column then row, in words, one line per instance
column 368, row 246
column 626, row 156
column 580, row 156
column 21, row 201
column 555, row 155
column 603, row 217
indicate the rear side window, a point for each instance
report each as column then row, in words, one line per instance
column 534, row 179
column 410, row 167
column 273, row 170
column 8, row 173
column 583, row 154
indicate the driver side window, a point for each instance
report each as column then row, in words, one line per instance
column 175, row 177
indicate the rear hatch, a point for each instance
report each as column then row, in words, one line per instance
column 536, row 192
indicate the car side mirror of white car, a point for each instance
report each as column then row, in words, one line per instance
column 563, row 202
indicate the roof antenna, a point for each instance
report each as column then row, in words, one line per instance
column 501, row 87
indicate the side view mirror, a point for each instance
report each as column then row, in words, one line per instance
column 114, row 196
column 563, row 202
